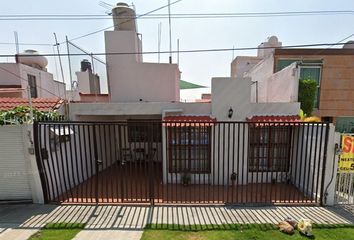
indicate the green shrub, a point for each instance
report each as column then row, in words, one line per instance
column 21, row 114
column 307, row 94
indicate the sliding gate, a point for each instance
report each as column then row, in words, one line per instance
column 86, row 162
column 178, row 162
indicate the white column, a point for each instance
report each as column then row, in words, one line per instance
column 31, row 164
column 331, row 167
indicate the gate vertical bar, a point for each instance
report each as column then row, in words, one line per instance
column 324, row 164
column 96, row 161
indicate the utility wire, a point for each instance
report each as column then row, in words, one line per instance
column 340, row 41
column 139, row 16
column 184, row 51
column 149, row 15
column 26, row 44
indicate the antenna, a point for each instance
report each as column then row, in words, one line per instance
column 178, row 51
column 169, row 24
column 233, row 53
column 159, row 30
column 60, row 63
column 107, row 6
column 16, row 42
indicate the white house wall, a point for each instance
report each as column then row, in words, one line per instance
column 131, row 80
column 16, row 74
column 236, row 94
column 14, row 166
column 283, row 85
column 259, row 75
column 59, row 90
column 10, row 77
column 46, row 88
column 125, row 110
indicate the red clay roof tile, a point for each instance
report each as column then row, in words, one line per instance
column 274, row 118
column 42, row 104
column 194, row 121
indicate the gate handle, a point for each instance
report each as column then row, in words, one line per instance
column 99, row 162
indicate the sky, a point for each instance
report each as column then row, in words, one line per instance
column 198, row 68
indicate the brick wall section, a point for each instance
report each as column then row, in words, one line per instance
column 337, row 83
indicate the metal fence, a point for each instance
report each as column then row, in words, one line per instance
column 158, row 162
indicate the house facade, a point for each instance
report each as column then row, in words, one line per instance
column 276, row 73
column 144, row 145
column 29, row 70
column 332, row 69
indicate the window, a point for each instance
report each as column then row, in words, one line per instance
column 33, row 85
column 269, row 148
column 313, row 73
column 345, row 124
column 309, row 69
column 189, row 149
column 144, row 131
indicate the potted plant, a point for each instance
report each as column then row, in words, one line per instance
column 185, row 179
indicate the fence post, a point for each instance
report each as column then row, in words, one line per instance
column 331, row 168
column 39, row 160
column 328, row 152
column 96, row 161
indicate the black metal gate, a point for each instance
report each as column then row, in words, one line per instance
column 82, row 162
column 181, row 162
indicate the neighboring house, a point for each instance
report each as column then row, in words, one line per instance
column 275, row 75
column 29, row 70
column 87, row 86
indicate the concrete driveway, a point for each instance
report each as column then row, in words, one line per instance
column 128, row 222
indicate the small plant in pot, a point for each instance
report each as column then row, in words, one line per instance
column 186, row 179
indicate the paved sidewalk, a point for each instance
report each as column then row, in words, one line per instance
column 128, row 222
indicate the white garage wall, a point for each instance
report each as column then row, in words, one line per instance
column 14, row 173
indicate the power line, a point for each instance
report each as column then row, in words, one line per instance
column 340, row 41
column 26, row 44
column 139, row 16
column 183, row 51
column 175, row 15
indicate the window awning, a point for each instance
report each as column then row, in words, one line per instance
column 188, row 121
column 11, row 90
column 273, row 120
column 188, row 85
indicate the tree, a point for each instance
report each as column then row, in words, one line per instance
column 307, row 94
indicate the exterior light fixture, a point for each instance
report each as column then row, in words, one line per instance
column 231, row 112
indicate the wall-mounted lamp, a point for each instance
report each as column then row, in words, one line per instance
column 231, row 112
